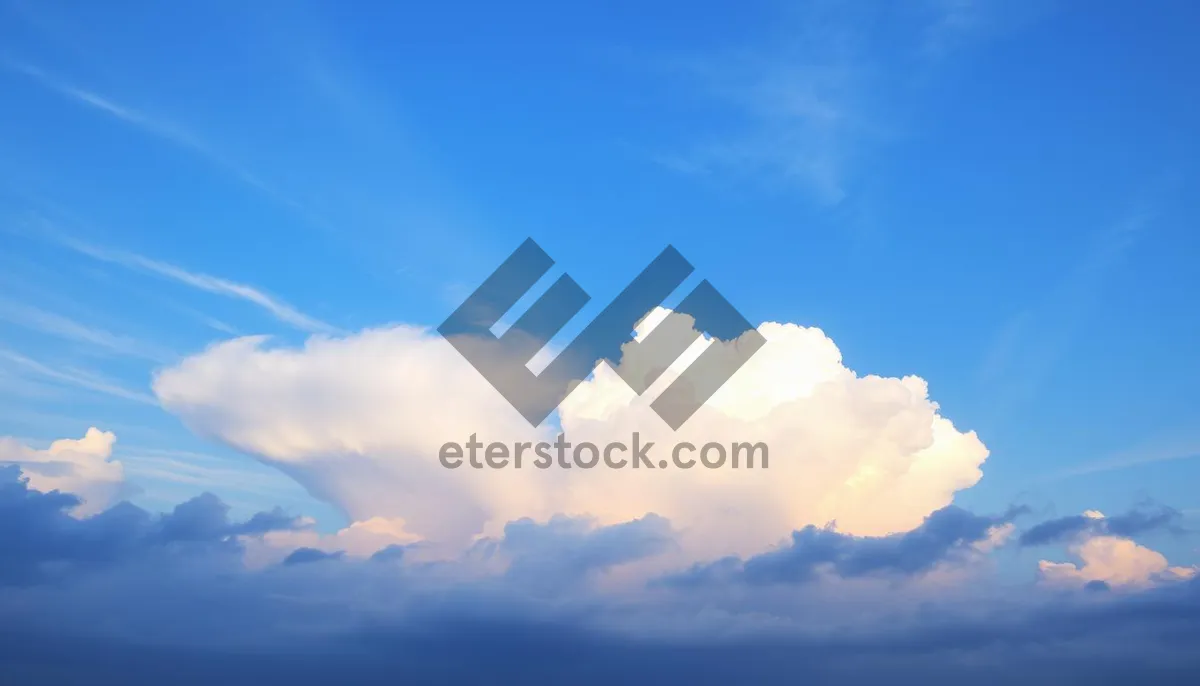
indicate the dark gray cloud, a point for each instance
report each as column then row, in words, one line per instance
column 151, row 599
column 42, row 542
column 265, row 522
column 1137, row 521
column 1142, row 639
column 946, row 534
column 301, row 556
column 567, row 549
column 392, row 553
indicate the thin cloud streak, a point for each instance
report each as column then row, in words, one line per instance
column 150, row 125
column 211, row 284
column 1017, row 362
column 187, row 472
column 78, row 378
column 53, row 324
column 1183, row 450
column 164, row 130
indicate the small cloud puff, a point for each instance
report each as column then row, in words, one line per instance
column 1117, row 563
column 81, row 466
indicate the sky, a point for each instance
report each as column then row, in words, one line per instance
column 965, row 228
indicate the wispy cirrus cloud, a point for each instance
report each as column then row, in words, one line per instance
column 165, row 130
column 1182, row 445
column 76, row 377
column 806, row 109
column 148, row 124
column 205, row 282
column 794, row 116
column 198, row 469
column 1029, row 345
column 54, row 324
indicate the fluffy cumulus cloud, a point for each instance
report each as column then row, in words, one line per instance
column 1113, row 562
column 1108, row 555
column 83, row 467
column 1108, row 559
column 359, row 420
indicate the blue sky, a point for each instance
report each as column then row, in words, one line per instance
column 998, row 203
column 999, row 198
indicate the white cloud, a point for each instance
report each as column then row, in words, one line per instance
column 359, row 421
column 998, row 536
column 1118, row 562
column 871, row 453
column 79, row 466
